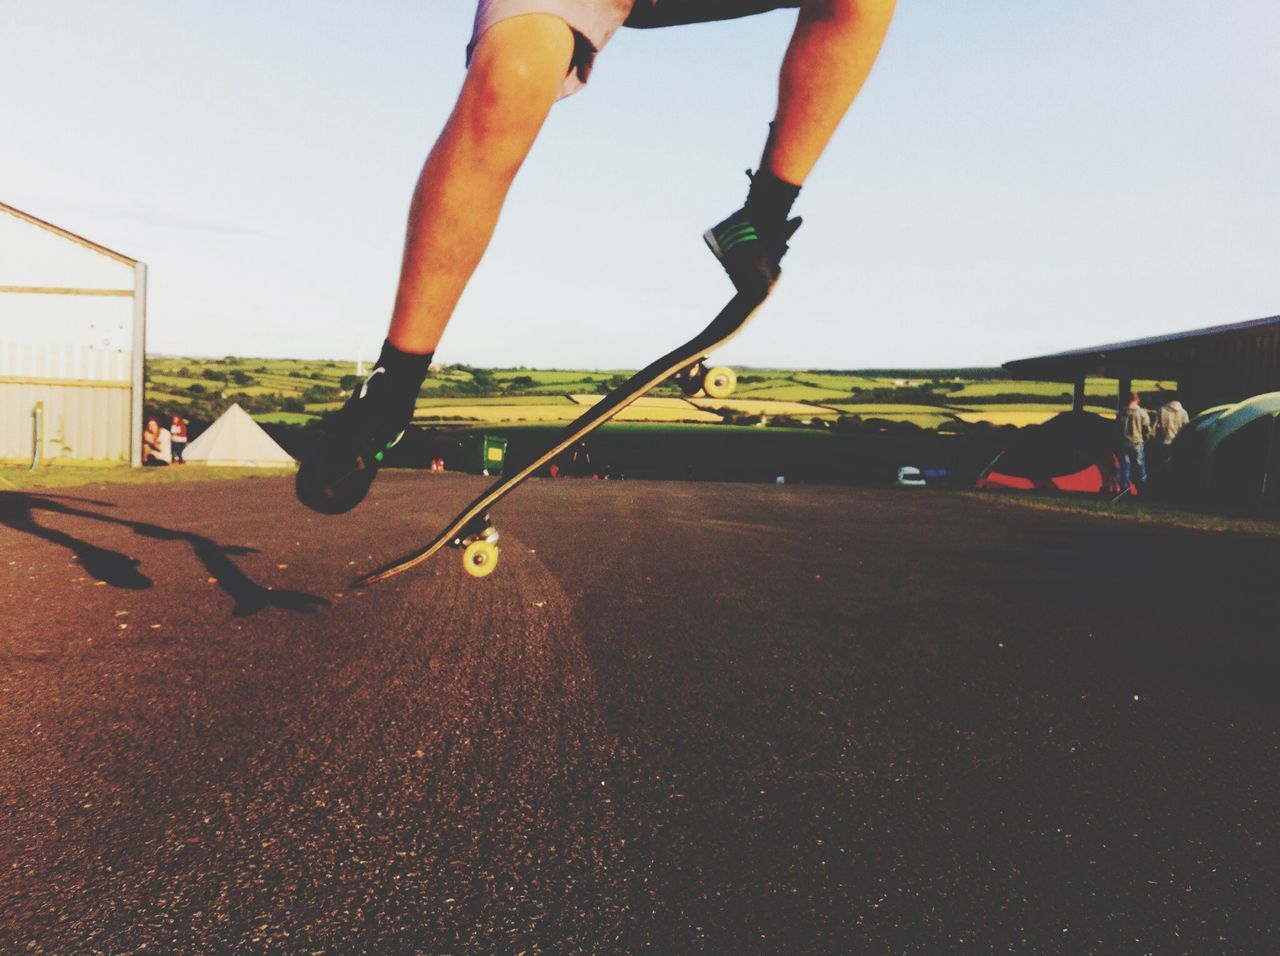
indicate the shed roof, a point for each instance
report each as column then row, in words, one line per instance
column 1158, row 356
column 66, row 234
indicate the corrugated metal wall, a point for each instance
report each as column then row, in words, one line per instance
column 69, row 338
column 82, row 423
column 62, row 336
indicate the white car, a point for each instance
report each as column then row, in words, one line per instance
column 910, row 477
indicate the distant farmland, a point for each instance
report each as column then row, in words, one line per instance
column 299, row 392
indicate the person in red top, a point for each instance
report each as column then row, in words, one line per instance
column 178, row 435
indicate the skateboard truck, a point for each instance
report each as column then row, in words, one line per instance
column 479, row 541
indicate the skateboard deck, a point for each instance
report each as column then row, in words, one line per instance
column 474, row 532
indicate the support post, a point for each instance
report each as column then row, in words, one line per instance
column 1266, row 465
column 37, row 435
column 139, row 363
column 1077, row 395
column 1122, row 395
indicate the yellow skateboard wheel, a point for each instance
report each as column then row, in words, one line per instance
column 719, row 382
column 480, row 558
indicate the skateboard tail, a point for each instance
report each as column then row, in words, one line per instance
column 728, row 322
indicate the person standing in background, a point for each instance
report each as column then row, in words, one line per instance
column 1173, row 417
column 178, row 438
column 1135, row 429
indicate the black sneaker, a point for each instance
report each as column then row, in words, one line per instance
column 336, row 472
column 749, row 251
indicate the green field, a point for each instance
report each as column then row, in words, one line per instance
column 289, row 392
column 885, row 408
column 789, row 391
column 285, row 418
column 1103, row 390
column 548, row 400
column 837, row 383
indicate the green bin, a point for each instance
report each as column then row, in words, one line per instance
column 493, row 454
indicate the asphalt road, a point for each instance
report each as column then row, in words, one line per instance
column 678, row 718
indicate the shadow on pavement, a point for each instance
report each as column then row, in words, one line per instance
column 19, row 510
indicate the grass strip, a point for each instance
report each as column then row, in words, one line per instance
column 69, row 476
column 1135, row 511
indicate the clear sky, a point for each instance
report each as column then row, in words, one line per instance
column 1019, row 176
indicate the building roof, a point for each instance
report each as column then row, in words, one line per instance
column 65, row 234
column 1157, row 357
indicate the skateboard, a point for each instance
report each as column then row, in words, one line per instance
column 474, row 533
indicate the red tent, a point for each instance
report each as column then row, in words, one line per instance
column 1074, row 451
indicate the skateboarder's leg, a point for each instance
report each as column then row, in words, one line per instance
column 515, row 76
column 832, row 50
column 517, row 70
column 831, row 53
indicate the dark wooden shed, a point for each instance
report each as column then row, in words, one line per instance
column 1212, row 366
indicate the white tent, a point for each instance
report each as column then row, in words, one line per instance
column 236, row 439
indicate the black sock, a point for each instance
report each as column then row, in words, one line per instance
column 770, row 198
column 405, row 370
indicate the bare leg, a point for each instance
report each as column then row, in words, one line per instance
column 516, row 72
column 834, row 46
column 514, row 78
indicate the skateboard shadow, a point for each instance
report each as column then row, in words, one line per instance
column 20, row 510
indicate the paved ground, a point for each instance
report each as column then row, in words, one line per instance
column 681, row 718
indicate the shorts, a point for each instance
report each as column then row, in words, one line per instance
column 594, row 21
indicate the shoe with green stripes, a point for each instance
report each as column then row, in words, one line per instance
column 750, row 251
column 336, row 472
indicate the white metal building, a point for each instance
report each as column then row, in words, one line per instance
column 72, row 345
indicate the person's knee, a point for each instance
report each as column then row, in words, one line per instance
column 518, row 68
